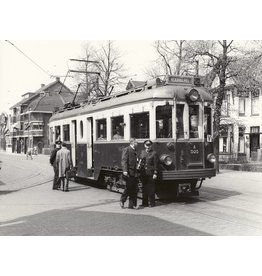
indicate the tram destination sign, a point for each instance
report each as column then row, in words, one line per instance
column 180, row 80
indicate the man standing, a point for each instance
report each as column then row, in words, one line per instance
column 64, row 163
column 148, row 174
column 56, row 182
column 129, row 162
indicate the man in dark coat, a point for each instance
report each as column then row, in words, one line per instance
column 148, row 173
column 56, row 182
column 129, row 163
column 64, row 164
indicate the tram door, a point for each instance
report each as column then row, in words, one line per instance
column 254, row 146
column 74, row 142
column 90, row 148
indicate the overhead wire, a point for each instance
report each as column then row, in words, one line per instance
column 46, row 72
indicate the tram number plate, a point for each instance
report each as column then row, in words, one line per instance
column 194, row 150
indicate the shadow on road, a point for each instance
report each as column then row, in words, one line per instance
column 205, row 194
column 92, row 223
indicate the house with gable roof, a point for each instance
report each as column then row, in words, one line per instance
column 30, row 116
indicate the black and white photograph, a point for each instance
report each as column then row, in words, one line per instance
column 125, row 148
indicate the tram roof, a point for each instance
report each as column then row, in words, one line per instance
column 165, row 92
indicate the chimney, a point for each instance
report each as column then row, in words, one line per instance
column 57, row 79
column 42, row 84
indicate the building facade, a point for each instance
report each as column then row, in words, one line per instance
column 30, row 117
column 241, row 126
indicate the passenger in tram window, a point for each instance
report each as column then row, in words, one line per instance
column 148, row 173
column 56, row 181
column 130, row 174
column 117, row 134
column 101, row 137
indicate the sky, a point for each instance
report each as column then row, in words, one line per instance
column 19, row 75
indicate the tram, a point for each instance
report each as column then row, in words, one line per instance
column 175, row 112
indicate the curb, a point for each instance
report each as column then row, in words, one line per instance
column 248, row 167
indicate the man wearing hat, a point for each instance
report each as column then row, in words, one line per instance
column 149, row 173
column 57, row 147
column 129, row 162
column 64, row 163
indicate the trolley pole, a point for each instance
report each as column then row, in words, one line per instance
column 86, row 72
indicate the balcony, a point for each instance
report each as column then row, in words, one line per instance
column 24, row 133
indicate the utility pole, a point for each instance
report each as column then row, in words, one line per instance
column 86, row 72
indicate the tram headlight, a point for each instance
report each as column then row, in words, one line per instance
column 166, row 159
column 211, row 158
column 193, row 95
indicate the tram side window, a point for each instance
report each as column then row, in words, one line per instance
column 180, row 121
column 57, row 133
column 66, row 133
column 207, row 122
column 117, row 127
column 193, row 121
column 51, row 135
column 164, row 121
column 101, row 129
column 139, row 125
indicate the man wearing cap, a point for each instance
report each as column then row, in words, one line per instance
column 148, row 173
column 57, row 147
column 129, row 162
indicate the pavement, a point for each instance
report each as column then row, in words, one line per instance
column 248, row 167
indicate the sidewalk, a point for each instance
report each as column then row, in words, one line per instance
column 248, row 167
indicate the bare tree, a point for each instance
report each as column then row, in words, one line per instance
column 104, row 59
column 175, row 58
column 110, row 67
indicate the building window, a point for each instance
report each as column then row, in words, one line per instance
column 254, row 105
column 241, row 106
column 101, row 129
column 225, row 139
column 225, row 106
column 180, row 121
column 66, row 133
column 254, row 129
column 164, row 121
column 139, row 125
column 117, row 127
column 241, row 140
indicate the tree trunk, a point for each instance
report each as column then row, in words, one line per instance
column 219, row 100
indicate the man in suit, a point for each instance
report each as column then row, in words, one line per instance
column 64, row 164
column 129, row 163
column 57, row 147
column 148, row 173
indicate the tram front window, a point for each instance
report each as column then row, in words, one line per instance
column 164, row 121
column 207, row 123
column 193, row 121
column 139, row 125
column 180, row 121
